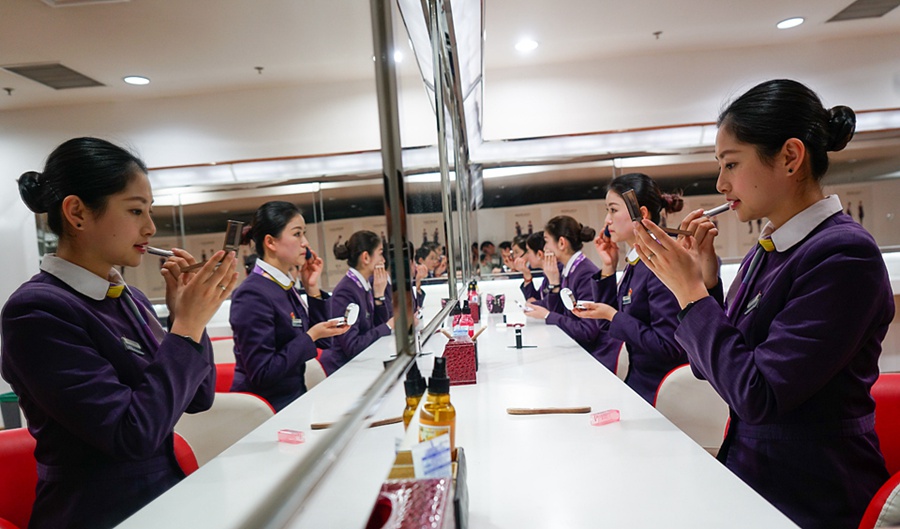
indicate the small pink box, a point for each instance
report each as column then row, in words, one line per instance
column 293, row 437
column 604, row 417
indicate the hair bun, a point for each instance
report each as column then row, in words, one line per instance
column 341, row 251
column 841, row 127
column 587, row 234
column 247, row 235
column 32, row 191
column 672, row 203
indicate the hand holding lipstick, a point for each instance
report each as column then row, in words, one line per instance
column 675, row 262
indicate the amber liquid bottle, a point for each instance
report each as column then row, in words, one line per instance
column 438, row 417
column 415, row 388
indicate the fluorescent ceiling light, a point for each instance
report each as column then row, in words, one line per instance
column 789, row 23
column 136, row 80
column 526, row 45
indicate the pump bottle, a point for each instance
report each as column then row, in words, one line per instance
column 415, row 388
column 438, row 416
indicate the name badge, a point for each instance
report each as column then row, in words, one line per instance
column 753, row 304
column 296, row 322
column 626, row 300
column 133, row 346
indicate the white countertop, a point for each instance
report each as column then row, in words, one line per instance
column 531, row 471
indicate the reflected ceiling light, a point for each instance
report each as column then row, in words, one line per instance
column 789, row 23
column 526, row 45
column 398, row 57
column 136, row 80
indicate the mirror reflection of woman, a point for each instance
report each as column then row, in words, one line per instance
column 795, row 350
column 101, row 383
column 274, row 332
column 364, row 252
column 640, row 311
column 529, row 262
column 565, row 266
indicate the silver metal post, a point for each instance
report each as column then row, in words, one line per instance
column 446, row 200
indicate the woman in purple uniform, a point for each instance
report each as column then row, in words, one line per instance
column 641, row 311
column 566, row 267
column 795, row 350
column 364, row 284
column 531, row 260
column 274, row 332
column 100, row 381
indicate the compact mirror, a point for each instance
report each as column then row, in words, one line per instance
column 568, row 300
column 351, row 314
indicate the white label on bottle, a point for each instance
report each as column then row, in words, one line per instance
column 431, row 458
column 430, row 432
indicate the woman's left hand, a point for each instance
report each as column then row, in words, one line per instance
column 379, row 284
column 551, row 270
column 677, row 267
column 594, row 311
column 537, row 312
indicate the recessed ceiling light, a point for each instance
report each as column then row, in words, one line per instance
column 789, row 23
column 136, row 80
column 526, row 45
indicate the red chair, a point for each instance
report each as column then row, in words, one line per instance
column 884, row 509
column 886, row 392
column 17, row 487
column 224, row 377
column 184, row 454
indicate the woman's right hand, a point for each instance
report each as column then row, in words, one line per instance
column 198, row 295
column 326, row 329
column 609, row 254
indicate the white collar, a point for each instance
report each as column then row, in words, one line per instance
column 569, row 263
column 802, row 224
column 632, row 256
column 80, row 279
column 363, row 281
column 283, row 279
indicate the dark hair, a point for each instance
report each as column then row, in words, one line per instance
column 359, row 242
column 485, row 244
column 570, row 229
column 423, row 252
column 519, row 241
column 775, row 111
column 648, row 194
column 505, row 245
column 535, row 242
column 250, row 262
column 269, row 219
column 89, row 168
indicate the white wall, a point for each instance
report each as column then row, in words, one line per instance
column 650, row 91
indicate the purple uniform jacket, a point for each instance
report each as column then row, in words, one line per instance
column 102, row 414
column 271, row 346
column 796, row 368
column 528, row 290
column 646, row 320
column 369, row 327
column 586, row 332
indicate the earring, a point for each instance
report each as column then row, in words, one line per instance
column 78, row 225
column 790, row 170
